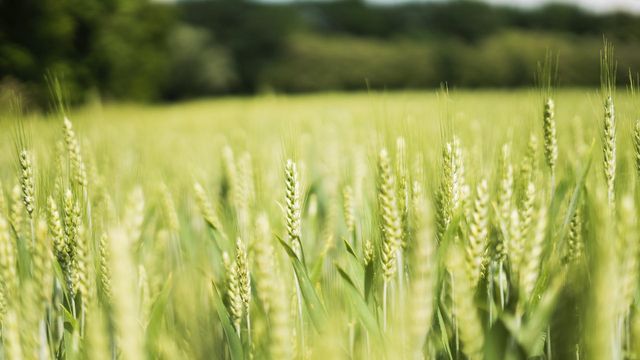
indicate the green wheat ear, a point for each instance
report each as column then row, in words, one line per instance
column 546, row 78
column 27, row 182
column 389, row 215
column 629, row 250
column 207, row 210
column 42, row 265
column 77, row 166
column 469, row 325
column 452, row 193
column 478, row 235
column 608, row 83
column 293, row 215
column 424, row 277
column 8, row 270
column 264, row 262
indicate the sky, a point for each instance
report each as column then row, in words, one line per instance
column 591, row 5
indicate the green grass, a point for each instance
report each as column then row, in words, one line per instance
column 179, row 297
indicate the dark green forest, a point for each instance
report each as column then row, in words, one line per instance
column 137, row 50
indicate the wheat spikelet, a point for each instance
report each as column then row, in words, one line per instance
column 470, row 331
column 424, row 277
column 504, row 210
column 505, row 192
column 124, row 304
column 515, row 243
column 280, row 336
column 96, row 345
column 104, row 272
column 11, row 336
column 629, row 250
column 207, row 210
column 368, row 251
column 293, row 210
column 461, row 190
column 450, row 193
column 244, row 278
column 59, row 169
column 550, row 137
column 478, row 234
column 78, row 170
column 529, row 163
column 30, row 317
column 74, row 246
column 41, row 262
column 609, row 148
column 16, row 211
column 27, row 183
column 244, row 193
column 236, row 305
column 327, row 234
column 402, row 174
column 444, row 197
column 264, row 262
column 8, row 271
column 575, row 242
column 531, row 267
column 145, row 300
column 526, row 210
column 608, row 82
column 389, row 216
column 348, row 209
column 134, row 214
column 169, row 209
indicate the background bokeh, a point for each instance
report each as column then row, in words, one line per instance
column 139, row 50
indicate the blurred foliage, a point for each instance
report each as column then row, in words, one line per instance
column 145, row 50
column 198, row 65
column 115, row 46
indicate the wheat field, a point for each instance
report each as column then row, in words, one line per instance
column 408, row 225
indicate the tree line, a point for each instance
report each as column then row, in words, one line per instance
column 151, row 51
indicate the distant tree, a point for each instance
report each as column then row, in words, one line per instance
column 115, row 46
